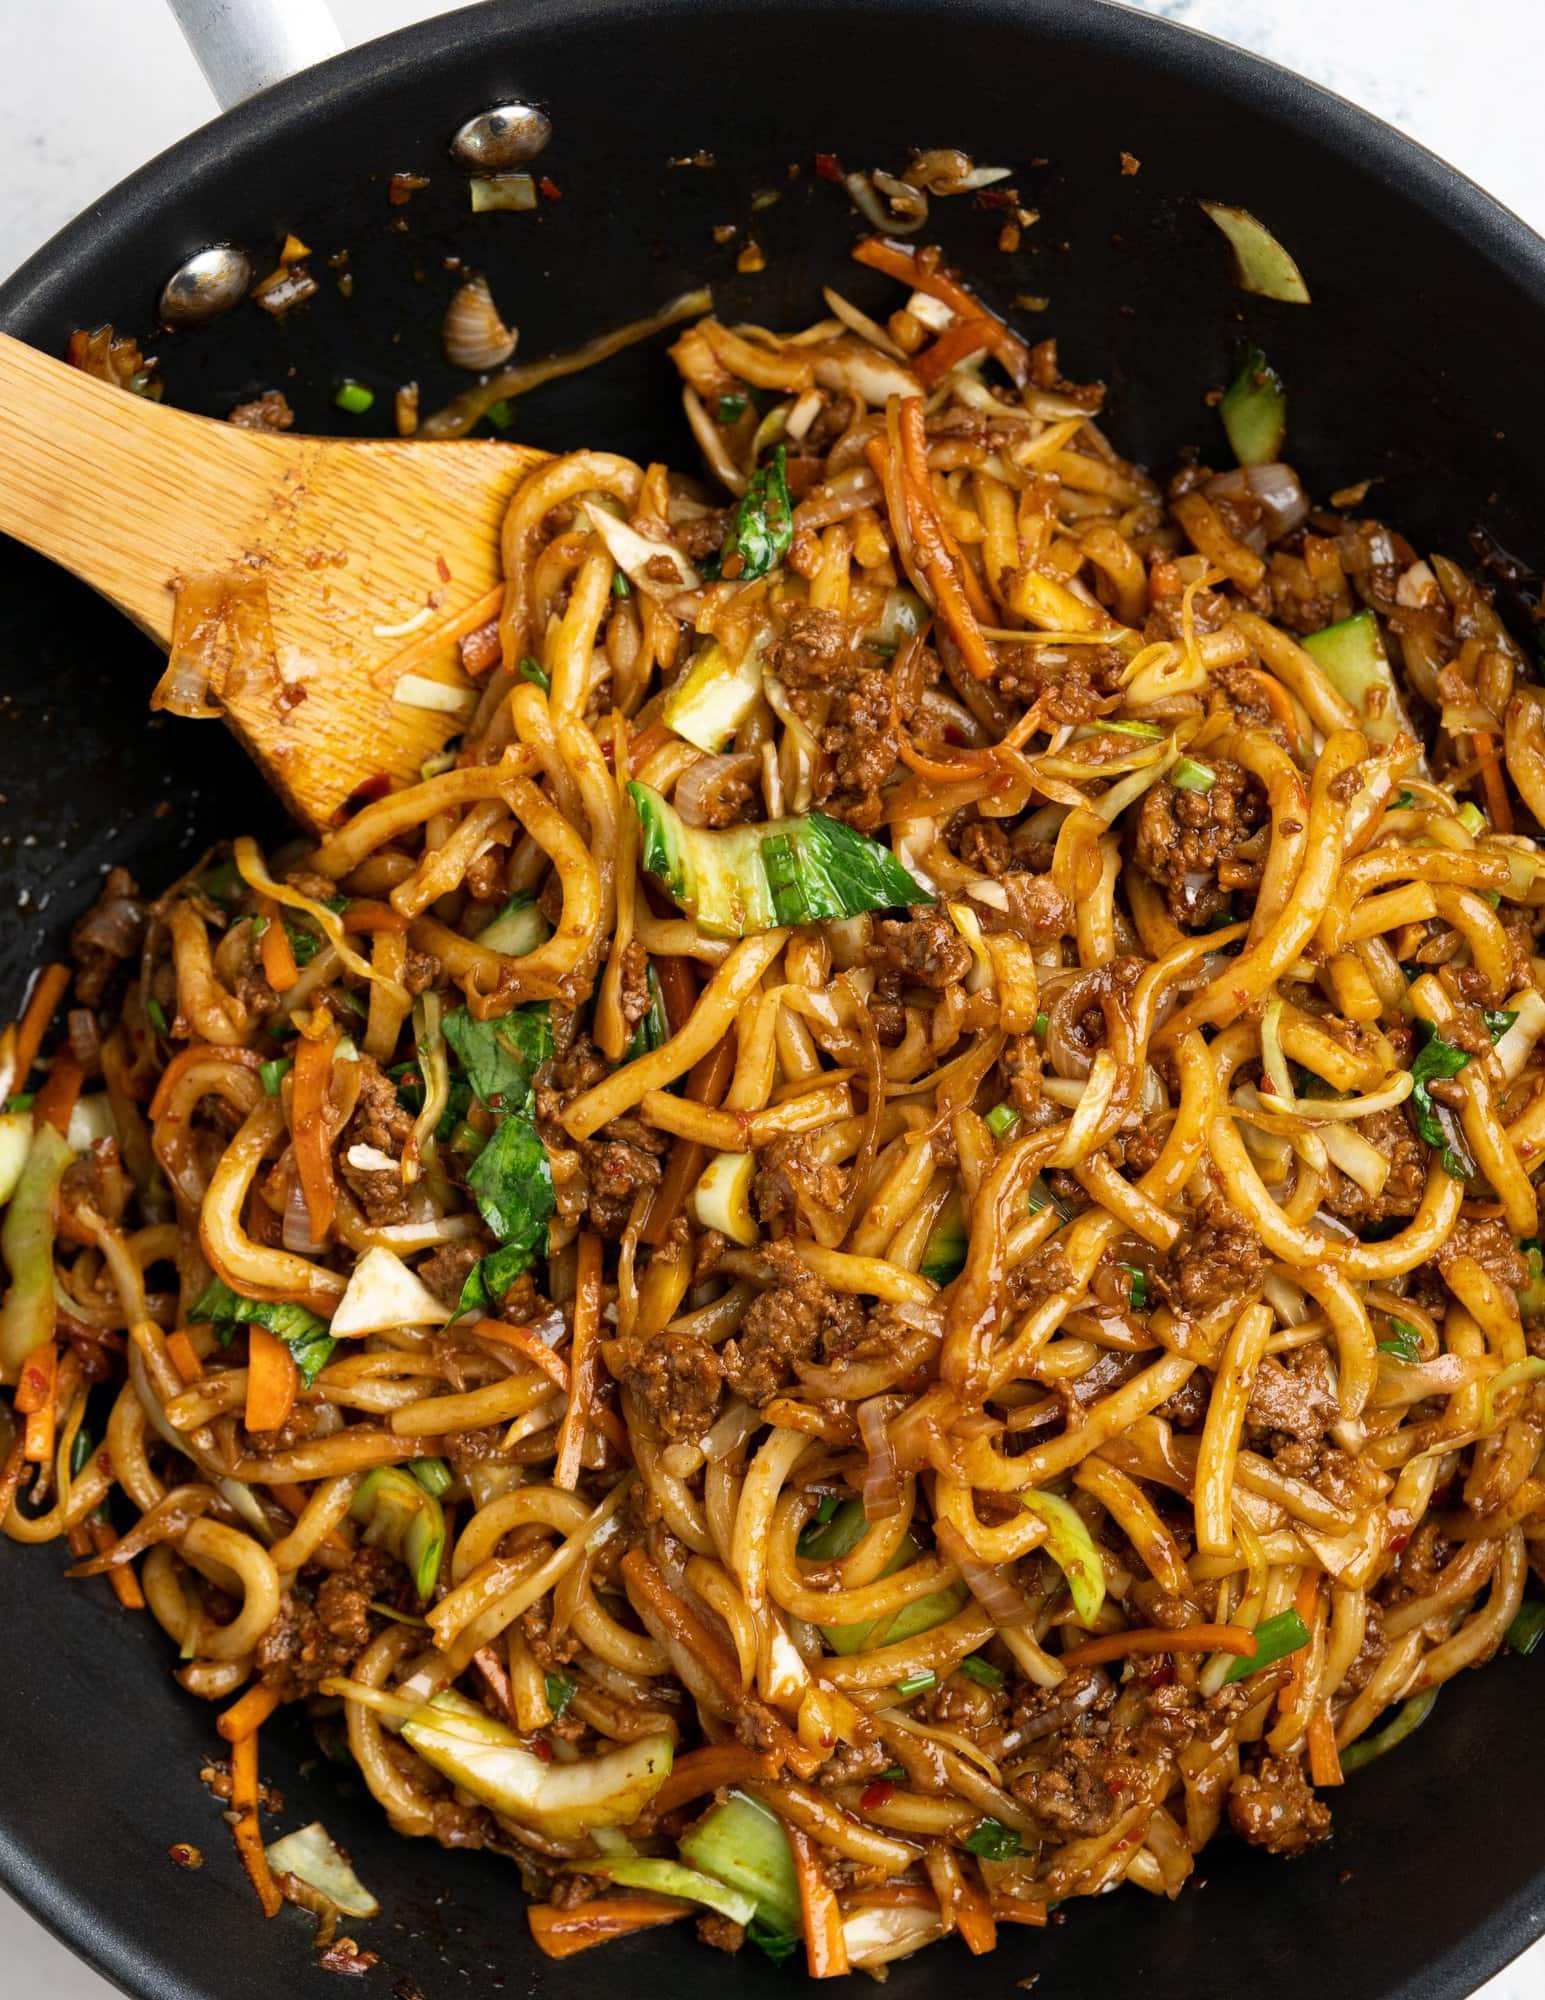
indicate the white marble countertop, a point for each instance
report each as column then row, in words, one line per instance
column 94, row 87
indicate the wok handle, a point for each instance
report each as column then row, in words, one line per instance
column 243, row 46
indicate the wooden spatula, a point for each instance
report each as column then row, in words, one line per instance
column 371, row 553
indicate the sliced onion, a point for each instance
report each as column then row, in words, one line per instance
column 943, row 170
column 1062, row 1713
column 701, row 785
column 472, row 332
column 1276, row 488
column 993, row 1588
column 877, row 213
column 85, row 1038
column 296, row 1234
column 882, row 1483
column 116, row 925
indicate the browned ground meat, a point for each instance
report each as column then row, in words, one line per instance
column 1342, row 1479
column 1419, row 1566
column 1071, row 686
column 380, row 1122
column 723, row 1933
column 634, row 994
column 268, row 412
column 818, row 650
column 676, row 1377
column 790, row 1172
column 924, row 949
column 1389, row 1134
column 421, row 970
column 1492, row 1248
column 859, row 737
column 1371, row 1651
column 795, row 1319
column 595, row 1180
column 315, row 1636
column 1089, row 1779
column 447, row 1269
column 1273, row 1807
column 1293, row 1394
column 1039, row 1276
column 704, row 535
column 1188, row 842
column 1218, row 1260
column 109, row 935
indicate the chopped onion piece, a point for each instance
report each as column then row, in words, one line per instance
column 882, row 1485
column 419, row 691
column 383, row 1293
column 313, row 1857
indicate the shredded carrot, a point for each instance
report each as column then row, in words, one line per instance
column 678, row 989
column 311, row 1080
column 1498, row 803
column 826, row 1952
column 943, row 577
column 897, row 260
column 562, row 1933
column 272, row 1380
column 707, row 1081
column 583, row 1350
column 1277, row 698
column 246, row 1716
column 40, row 1436
column 1306, row 1602
column 121, row 1576
column 184, row 1360
column 52, row 985
column 278, row 960
column 706, row 1769
column 38, row 1379
column 528, row 1343
column 247, row 1828
column 1154, row 1639
column 1324, row 1758
column 56, row 1100
column 973, row 1916
column 957, row 343
column 183, row 1061
column 364, row 915
column 428, row 645
column 647, row 741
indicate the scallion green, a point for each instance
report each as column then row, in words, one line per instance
column 983, row 1672
column 1275, row 1638
column 916, row 1684
column 354, row 397
column 1189, row 775
column 1002, row 1119
column 273, row 1074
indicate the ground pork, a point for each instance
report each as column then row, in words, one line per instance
column 818, row 650
column 1389, row 1134
column 595, row 1180
column 268, row 412
column 675, row 1377
column 1189, row 842
column 380, row 1122
column 315, row 1636
column 1218, row 1261
column 796, row 1319
column 446, row 1270
column 923, row 949
column 1293, row 1394
column 1072, row 685
column 790, row 1174
column 1273, row 1807
column 1492, row 1248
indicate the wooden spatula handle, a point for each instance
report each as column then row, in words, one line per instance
column 124, row 492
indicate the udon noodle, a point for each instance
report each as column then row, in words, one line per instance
column 872, row 1265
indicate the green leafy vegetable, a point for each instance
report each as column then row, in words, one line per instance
column 993, row 1841
column 838, row 1536
column 745, row 1844
column 518, row 928
column 772, row 1940
column 305, row 939
column 488, row 1281
column 559, row 1689
column 1355, row 663
column 501, row 1057
column 1071, row 1547
column 1406, row 1344
column 500, row 414
column 737, row 880
column 1261, row 264
column 303, row 1333
column 983, row 1672
column 222, row 884
column 918, row 1683
column 1275, row 1638
column 512, row 1182
column 1254, row 410
column 762, row 525
column 1404, row 802
column 1498, row 1021
column 273, row 1074
column 715, row 694
column 400, row 1514
column 1438, row 1058
column 730, row 409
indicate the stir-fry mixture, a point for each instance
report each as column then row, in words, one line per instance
column 876, row 1264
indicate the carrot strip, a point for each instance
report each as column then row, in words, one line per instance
column 40, row 1436
column 364, row 915
column 272, row 1380
column 246, row 1716
column 278, row 960
column 957, row 343
column 707, row 1081
column 1276, row 697
column 1498, row 804
column 53, row 983
column 647, row 741
column 1324, row 1759
column 531, row 1345
column 56, row 1100
column 428, row 644
column 309, row 1128
column 678, row 989
column 39, row 1376
column 706, row 1769
column 973, row 1916
column 826, row 1952
column 1306, row 1602
column 898, row 260
column 582, row 1363
column 248, row 1831
column 184, row 1360
column 125, row 1583
column 562, row 1933
column 945, row 574
column 1154, row 1639
column 183, row 1061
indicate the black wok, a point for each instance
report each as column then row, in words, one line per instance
column 1417, row 363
